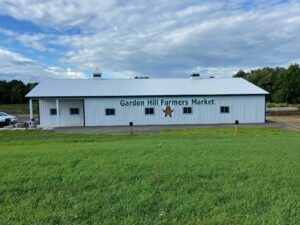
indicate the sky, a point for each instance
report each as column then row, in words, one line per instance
column 54, row 39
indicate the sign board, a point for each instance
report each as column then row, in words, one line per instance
column 167, row 102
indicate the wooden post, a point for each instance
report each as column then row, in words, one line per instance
column 236, row 127
column 131, row 127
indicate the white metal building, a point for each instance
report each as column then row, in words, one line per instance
column 99, row 102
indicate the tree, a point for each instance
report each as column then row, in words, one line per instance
column 14, row 91
column 282, row 84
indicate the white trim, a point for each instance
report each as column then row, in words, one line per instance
column 57, row 113
column 30, row 109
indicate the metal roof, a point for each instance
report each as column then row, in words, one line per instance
column 144, row 87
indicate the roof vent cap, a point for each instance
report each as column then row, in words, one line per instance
column 97, row 74
column 195, row 73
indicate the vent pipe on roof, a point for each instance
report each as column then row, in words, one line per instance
column 97, row 74
column 195, row 73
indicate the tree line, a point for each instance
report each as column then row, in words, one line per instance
column 283, row 84
column 13, row 92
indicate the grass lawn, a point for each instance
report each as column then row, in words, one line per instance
column 18, row 108
column 195, row 176
column 14, row 106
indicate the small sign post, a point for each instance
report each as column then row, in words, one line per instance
column 236, row 127
column 131, row 127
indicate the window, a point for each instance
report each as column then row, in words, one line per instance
column 187, row 110
column 110, row 112
column 149, row 111
column 74, row 111
column 53, row 111
column 224, row 109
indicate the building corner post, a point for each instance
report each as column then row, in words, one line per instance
column 57, row 113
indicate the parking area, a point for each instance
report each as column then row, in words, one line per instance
column 154, row 128
column 284, row 122
column 288, row 122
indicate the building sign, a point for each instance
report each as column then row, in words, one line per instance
column 167, row 102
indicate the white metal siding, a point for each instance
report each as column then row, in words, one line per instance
column 64, row 112
column 246, row 109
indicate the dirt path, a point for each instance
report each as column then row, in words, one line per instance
column 291, row 122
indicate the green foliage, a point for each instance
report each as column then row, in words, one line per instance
column 194, row 176
column 282, row 84
column 12, row 92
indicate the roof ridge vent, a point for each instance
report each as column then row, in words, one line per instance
column 141, row 77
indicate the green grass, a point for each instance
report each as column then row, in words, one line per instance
column 14, row 106
column 18, row 108
column 195, row 176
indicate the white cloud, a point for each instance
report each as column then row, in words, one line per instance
column 161, row 38
column 16, row 66
column 33, row 41
column 55, row 13
column 58, row 72
column 8, row 57
column 240, row 40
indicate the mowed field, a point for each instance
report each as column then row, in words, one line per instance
column 194, row 176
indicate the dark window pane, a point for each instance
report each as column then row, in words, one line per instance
column 224, row 109
column 187, row 110
column 74, row 111
column 53, row 112
column 109, row 112
column 149, row 111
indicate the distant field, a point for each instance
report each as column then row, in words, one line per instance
column 13, row 106
column 195, row 176
column 18, row 109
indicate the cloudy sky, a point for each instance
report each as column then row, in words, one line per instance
column 42, row 39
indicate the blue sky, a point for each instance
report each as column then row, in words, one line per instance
column 158, row 38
